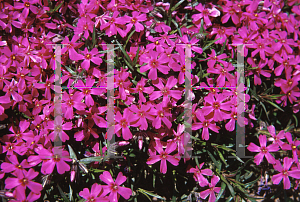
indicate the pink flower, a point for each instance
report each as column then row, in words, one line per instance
column 231, row 10
column 166, row 91
column 216, row 105
column 262, row 47
column 198, row 174
column 161, row 115
column 205, row 124
column 122, row 123
column 141, row 89
column 134, row 20
column 164, row 156
column 205, row 13
column 285, row 172
column 114, row 187
column 96, row 194
column 154, row 63
column 58, row 129
column 24, row 180
column 143, row 112
column 87, row 57
column 258, row 70
column 276, row 138
column 263, row 150
column 14, row 166
column 291, row 146
column 20, row 195
column 212, row 190
column 56, row 157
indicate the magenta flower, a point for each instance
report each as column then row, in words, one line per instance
column 24, row 180
column 216, row 105
column 262, row 47
column 56, row 157
column 27, row 5
column 264, row 150
column 161, row 115
column 59, row 129
column 198, row 174
column 122, row 122
column 143, row 112
column 231, row 10
column 141, row 89
column 96, row 194
column 87, row 57
column 71, row 101
column 285, row 172
column 166, row 91
column 258, row 70
column 134, row 20
column 154, row 63
column 291, row 146
column 205, row 124
column 223, row 72
column 14, row 166
column 212, row 190
column 164, row 156
column 245, row 37
column 205, row 13
column 20, row 195
column 114, row 187
column 276, row 138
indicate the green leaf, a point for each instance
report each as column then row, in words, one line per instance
column 91, row 159
column 223, row 47
column 210, row 43
column 223, row 186
column 177, row 27
column 70, row 70
column 296, row 120
column 275, row 105
column 56, row 8
column 127, row 58
column 71, row 193
column 201, row 28
column 96, row 170
column 264, row 107
column 217, row 164
column 136, row 57
column 238, row 158
column 251, row 183
column 176, row 5
column 232, row 192
column 150, row 194
column 62, row 194
column 130, row 35
column 222, row 157
column 94, row 37
column 72, row 153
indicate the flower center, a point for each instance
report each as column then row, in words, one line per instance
column 133, row 20
column 264, row 150
column 163, row 156
column 13, row 57
column 205, row 124
column 256, row 15
column 56, row 158
column 24, row 181
column 161, row 114
column 88, row 56
column 123, row 123
column 58, row 128
column 183, row 68
column 216, row 105
column 283, row 41
column 115, row 187
column 27, row 4
column 294, row 147
column 156, row 42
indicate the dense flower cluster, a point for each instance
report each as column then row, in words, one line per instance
column 160, row 49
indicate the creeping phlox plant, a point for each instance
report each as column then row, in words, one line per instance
column 143, row 100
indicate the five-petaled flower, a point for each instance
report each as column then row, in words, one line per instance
column 263, row 150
